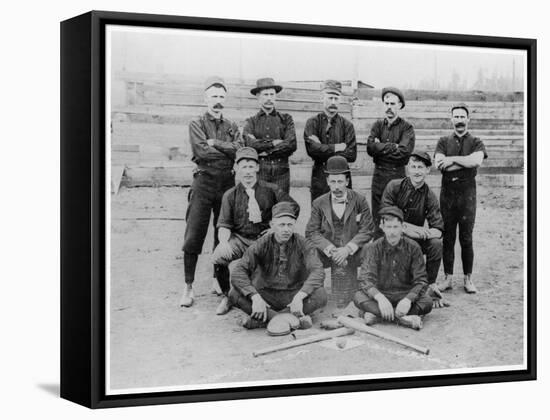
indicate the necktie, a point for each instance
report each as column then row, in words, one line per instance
column 254, row 212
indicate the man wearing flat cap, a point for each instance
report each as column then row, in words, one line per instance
column 419, row 204
column 214, row 143
column 272, row 134
column 341, row 222
column 280, row 272
column 244, row 217
column 328, row 134
column 390, row 143
column 393, row 283
column 458, row 156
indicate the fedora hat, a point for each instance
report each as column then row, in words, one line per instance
column 265, row 83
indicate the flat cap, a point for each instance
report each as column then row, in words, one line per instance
column 337, row 165
column 395, row 91
column 284, row 208
column 424, row 156
column 461, row 105
column 246, row 153
column 332, row 86
column 214, row 80
column 391, row 211
column 265, row 83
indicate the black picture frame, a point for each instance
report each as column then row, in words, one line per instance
column 83, row 203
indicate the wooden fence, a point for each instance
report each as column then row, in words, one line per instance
column 150, row 124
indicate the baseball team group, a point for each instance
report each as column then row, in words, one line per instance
column 391, row 249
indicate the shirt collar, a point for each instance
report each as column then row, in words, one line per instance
column 466, row 134
column 389, row 247
column 395, row 122
column 410, row 184
column 211, row 117
column 346, row 200
column 262, row 112
column 326, row 117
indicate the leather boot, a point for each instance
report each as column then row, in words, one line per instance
column 446, row 284
column 188, row 297
column 469, row 284
column 224, row 306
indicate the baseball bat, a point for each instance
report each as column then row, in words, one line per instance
column 307, row 340
column 346, row 321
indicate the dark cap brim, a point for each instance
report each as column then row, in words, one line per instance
column 256, row 90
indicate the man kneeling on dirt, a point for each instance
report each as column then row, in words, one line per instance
column 244, row 217
column 393, row 281
column 280, row 272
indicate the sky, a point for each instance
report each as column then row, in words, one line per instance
column 251, row 56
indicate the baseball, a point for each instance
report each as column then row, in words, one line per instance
column 341, row 343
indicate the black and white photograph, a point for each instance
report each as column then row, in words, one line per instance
column 297, row 210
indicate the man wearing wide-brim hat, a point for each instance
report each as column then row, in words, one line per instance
column 392, row 279
column 272, row 134
column 280, row 272
column 390, row 143
column 341, row 222
column 328, row 134
column 419, row 204
column 214, row 143
column 245, row 215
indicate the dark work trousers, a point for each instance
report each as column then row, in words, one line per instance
column 319, row 184
column 279, row 299
column 276, row 171
column 380, row 178
column 205, row 198
column 422, row 306
column 432, row 249
column 458, row 207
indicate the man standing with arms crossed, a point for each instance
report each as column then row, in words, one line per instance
column 214, row 142
column 326, row 135
column 458, row 156
column 390, row 143
column 272, row 134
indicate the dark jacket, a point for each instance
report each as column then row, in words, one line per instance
column 259, row 267
column 320, row 228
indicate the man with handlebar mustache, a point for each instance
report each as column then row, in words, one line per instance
column 458, row 156
column 214, row 142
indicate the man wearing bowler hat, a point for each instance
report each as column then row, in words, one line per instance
column 393, row 283
column 390, row 143
column 341, row 222
column 419, row 204
column 280, row 272
column 244, row 217
column 272, row 134
column 214, row 143
column 328, row 134
column 458, row 156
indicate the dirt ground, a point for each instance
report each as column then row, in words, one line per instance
column 154, row 342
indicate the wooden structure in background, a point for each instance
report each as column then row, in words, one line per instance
column 150, row 124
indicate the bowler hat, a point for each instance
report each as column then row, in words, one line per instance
column 391, row 211
column 423, row 156
column 246, row 153
column 337, row 165
column 284, row 208
column 332, row 86
column 265, row 83
column 461, row 105
column 214, row 80
column 396, row 92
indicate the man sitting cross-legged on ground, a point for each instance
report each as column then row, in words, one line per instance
column 340, row 222
column 244, row 217
column 392, row 278
column 419, row 204
column 280, row 272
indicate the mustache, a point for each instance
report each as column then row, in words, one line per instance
column 460, row 124
column 333, row 107
column 218, row 106
column 389, row 111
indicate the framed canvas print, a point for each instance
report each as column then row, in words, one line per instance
column 258, row 209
